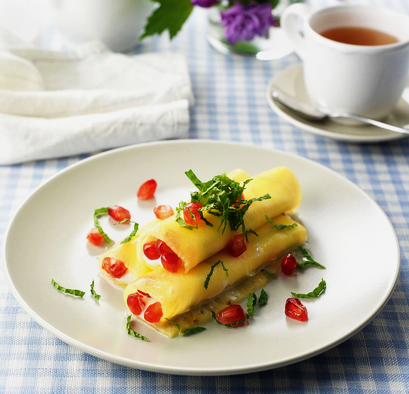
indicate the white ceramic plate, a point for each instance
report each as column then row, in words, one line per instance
column 348, row 233
column 291, row 81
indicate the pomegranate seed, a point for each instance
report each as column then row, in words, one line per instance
column 171, row 262
column 192, row 208
column 232, row 314
column 144, row 294
column 135, row 303
column 153, row 313
column 162, row 248
column 295, row 309
column 237, row 246
column 118, row 213
column 94, row 236
column 163, row 211
column 147, row 190
column 288, row 264
column 114, row 267
column 149, row 250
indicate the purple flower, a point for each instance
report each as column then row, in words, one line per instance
column 244, row 22
column 205, row 3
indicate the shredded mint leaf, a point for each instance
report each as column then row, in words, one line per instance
column 98, row 212
column 308, row 259
column 188, row 331
column 251, row 303
column 280, row 226
column 222, row 197
column 231, row 324
column 262, row 300
column 315, row 293
column 132, row 332
column 96, row 296
column 170, row 15
column 133, row 233
column 77, row 293
column 207, row 280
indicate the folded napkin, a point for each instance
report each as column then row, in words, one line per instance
column 55, row 104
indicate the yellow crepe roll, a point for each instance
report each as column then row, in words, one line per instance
column 177, row 293
column 194, row 246
column 126, row 253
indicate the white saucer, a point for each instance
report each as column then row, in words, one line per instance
column 291, row 81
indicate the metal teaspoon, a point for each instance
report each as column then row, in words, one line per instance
column 309, row 112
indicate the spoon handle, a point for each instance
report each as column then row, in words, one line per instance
column 373, row 122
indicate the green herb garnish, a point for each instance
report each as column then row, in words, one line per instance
column 99, row 212
column 188, row 331
column 315, row 293
column 262, row 300
column 132, row 332
column 179, row 218
column 231, row 324
column 251, row 303
column 96, row 296
column 77, row 293
column 280, row 226
column 222, row 197
column 133, row 233
column 308, row 259
column 206, row 283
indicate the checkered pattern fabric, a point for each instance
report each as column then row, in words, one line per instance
column 230, row 105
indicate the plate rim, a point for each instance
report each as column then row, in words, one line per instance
column 153, row 367
column 317, row 131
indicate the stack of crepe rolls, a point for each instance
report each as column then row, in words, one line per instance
column 194, row 246
column 182, row 296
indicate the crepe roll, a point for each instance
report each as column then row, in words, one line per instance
column 171, row 294
column 194, row 246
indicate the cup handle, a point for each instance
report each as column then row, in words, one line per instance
column 292, row 23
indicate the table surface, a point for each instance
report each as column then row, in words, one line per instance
column 231, row 106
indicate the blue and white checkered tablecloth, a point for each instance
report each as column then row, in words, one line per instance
column 230, row 105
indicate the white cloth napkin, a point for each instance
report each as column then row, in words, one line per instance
column 55, row 104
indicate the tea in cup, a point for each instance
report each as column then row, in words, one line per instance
column 355, row 57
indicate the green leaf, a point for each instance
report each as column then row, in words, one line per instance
column 251, row 303
column 231, row 324
column 132, row 332
column 262, row 300
column 99, row 212
column 96, row 296
column 280, row 226
column 308, row 259
column 77, row 293
column 188, row 331
column 207, row 280
column 170, row 15
column 315, row 293
column 133, row 233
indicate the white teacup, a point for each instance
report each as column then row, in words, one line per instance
column 362, row 78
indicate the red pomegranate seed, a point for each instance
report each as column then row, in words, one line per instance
column 236, row 246
column 114, row 267
column 147, row 190
column 192, row 208
column 153, row 313
column 288, row 264
column 135, row 303
column 149, row 250
column 144, row 294
column 118, row 213
column 232, row 314
column 171, row 262
column 295, row 309
column 162, row 248
column 95, row 237
column 163, row 211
